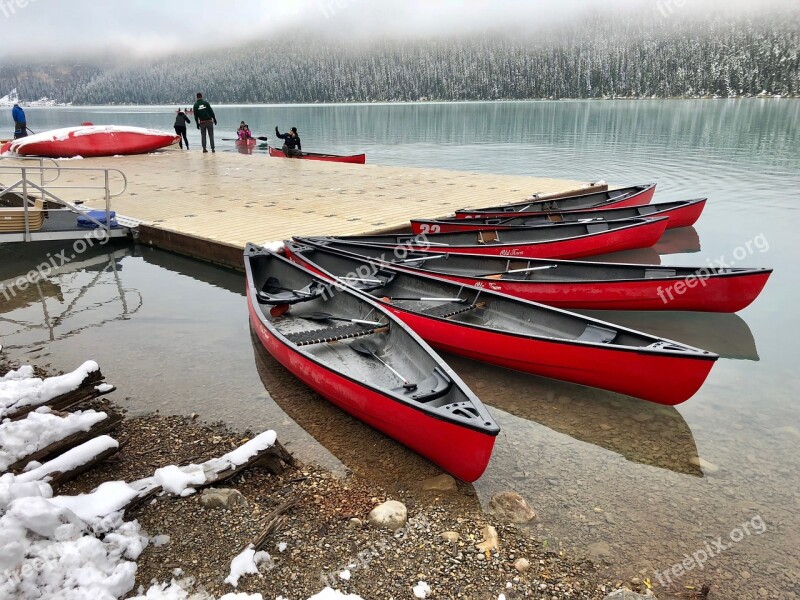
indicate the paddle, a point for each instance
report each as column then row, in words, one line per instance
column 421, row 259
column 367, row 349
column 501, row 273
column 273, row 283
column 321, row 316
column 361, row 279
column 389, row 298
column 31, row 130
column 263, row 138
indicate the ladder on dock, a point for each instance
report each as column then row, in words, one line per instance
column 29, row 188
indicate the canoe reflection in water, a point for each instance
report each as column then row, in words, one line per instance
column 725, row 334
column 84, row 293
column 363, row 450
column 642, row 432
column 678, row 241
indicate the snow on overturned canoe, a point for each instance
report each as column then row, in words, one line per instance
column 95, row 140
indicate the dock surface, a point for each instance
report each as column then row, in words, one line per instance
column 231, row 199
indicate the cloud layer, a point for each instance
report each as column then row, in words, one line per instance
column 144, row 28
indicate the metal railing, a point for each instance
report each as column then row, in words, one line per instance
column 25, row 184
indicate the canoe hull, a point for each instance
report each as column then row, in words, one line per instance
column 720, row 293
column 681, row 216
column 643, row 377
column 92, row 141
column 641, row 195
column 355, row 159
column 639, row 235
column 460, row 451
column 595, row 365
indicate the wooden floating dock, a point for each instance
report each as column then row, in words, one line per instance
column 210, row 205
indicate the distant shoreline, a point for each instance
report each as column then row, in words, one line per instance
column 417, row 102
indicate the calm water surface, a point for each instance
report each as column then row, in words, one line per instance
column 610, row 477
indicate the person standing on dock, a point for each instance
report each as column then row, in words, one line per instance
column 205, row 119
column 181, row 121
column 20, row 122
column 291, row 142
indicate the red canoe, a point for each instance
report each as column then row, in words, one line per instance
column 567, row 240
column 629, row 196
column 683, row 213
column 521, row 335
column 97, row 140
column 356, row 159
column 583, row 285
column 375, row 368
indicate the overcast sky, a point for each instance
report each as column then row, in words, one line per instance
column 140, row 28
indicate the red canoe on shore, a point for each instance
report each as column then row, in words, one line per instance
column 683, row 213
column 356, row 159
column 350, row 350
column 582, row 285
column 521, row 335
column 628, row 196
column 95, row 140
column 566, row 240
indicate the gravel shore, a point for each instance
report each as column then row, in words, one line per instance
column 325, row 538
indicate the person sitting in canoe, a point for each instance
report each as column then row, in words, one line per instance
column 291, row 142
column 244, row 132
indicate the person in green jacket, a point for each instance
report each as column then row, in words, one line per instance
column 205, row 119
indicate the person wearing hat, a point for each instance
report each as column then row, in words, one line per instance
column 291, row 142
column 205, row 119
column 181, row 120
column 20, row 123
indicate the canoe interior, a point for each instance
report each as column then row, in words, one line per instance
column 522, row 235
column 436, row 386
column 489, row 310
column 550, row 271
column 567, row 203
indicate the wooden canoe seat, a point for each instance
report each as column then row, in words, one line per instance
column 488, row 237
column 12, row 219
column 448, row 310
column 331, row 334
column 597, row 334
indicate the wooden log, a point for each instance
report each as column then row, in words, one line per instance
column 87, row 390
column 275, row 520
column 216, row 471
column 73, row 462
column 58, row 447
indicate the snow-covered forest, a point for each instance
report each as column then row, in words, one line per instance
column 597, row 57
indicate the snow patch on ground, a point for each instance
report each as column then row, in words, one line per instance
column 19, row 388
column 246, row 563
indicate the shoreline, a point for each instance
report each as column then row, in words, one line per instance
column 325, row 538
column 415, row 102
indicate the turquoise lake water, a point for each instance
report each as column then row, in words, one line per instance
column 609, row 476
